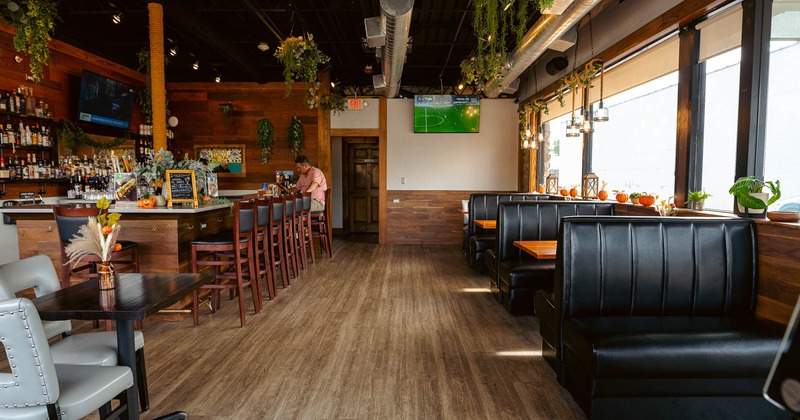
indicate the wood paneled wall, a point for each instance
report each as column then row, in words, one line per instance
column 424, row 217
column 197, row 107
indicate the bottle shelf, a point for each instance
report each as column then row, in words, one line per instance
column 52, row 181
column 42, row 120
column 34, row 147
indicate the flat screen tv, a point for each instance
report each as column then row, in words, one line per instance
column 105, row 101
column 447, row 114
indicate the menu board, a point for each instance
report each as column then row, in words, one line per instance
column 181, row 187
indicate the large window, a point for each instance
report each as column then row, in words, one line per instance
column 719, row 127
column 635, row 149
column 564, row 154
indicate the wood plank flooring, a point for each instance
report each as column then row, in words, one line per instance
column 393, row 331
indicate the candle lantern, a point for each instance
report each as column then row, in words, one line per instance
column 590, row 185
column 552, row 183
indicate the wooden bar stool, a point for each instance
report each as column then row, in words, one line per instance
column 225, row 250
column 321, row 226
column 299, row 230
column 68, row 222
column 278, row 254
column 289, row 244
column 306, row 223
column 263, row 243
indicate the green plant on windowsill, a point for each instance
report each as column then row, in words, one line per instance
column 697, row 199
column 744, row 188
column 634, row 197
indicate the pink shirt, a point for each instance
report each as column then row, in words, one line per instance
column 304, row 181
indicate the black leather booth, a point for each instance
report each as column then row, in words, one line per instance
column 655, row 318
column 483, row 206
column 518, row 275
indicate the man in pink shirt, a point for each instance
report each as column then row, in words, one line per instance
column 311, row 180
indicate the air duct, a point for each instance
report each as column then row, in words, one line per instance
column 544, row 32
column 395, row 21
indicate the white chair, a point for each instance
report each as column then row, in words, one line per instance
column 37, row 388
column 94, row 348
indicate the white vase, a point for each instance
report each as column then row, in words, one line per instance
column 764, row 196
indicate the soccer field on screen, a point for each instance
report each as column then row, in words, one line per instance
column 447, row 119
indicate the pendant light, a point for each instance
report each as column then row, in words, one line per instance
column 573, row 129
column 586, row 125
column 601, row 112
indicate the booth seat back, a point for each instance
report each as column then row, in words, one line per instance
column 537, row 221
column 483, row 206
column 654, row 266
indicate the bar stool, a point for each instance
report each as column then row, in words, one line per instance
column 68, row 222
column 278, row 254
column 306, row 223
column 263, row 243
column 289, row 244
column 225, row 250
column 321, row 226
column 299, row 230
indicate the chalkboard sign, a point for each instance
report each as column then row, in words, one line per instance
column 181, row 187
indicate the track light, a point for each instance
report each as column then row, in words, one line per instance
column 173, row 51
column 218, row 79
column 460, row 86
column 117, row 18
column 196, row 65
column 263, row 46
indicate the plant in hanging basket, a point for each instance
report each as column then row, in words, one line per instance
column 296, row 136
column 226, row 110
column 300, row 58
column 33, row 25
column 333, row 102
column 264, row 134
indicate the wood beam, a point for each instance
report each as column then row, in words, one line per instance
column 689, row 145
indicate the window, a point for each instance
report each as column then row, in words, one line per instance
column 635, row 149
column 719, row 127
column 564, row 154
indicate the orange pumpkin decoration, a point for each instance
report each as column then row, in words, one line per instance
column 573, row 192
column 622, row 197
column 147, row 203
column 564, row 192
column 602, row 195
column 647, row 200
column 117, row 246
column 105, row 230
column 540, row 189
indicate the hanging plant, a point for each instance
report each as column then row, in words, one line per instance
column 301, row 59
column 333, row 102
column 226, row 110
column 578, row 79
column 479, row 69
column 145, row 95
column 296, row 136
column 34, row 27
column 264, row 138
column 73, row 136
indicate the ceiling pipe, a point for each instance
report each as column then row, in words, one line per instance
column 396, row 20
column 544, row 32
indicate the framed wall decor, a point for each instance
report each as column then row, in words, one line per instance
column 225, row 160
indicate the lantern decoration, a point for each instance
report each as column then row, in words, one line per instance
column 552, row 183
column 591, row 185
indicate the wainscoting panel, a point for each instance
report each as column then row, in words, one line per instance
column 424, row 217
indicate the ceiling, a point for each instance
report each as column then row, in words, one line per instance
column 222, row 37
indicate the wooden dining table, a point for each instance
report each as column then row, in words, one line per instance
column 543, row 250
column 135, row 297
column 486, row 223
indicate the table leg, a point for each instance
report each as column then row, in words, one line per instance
column 126, row 355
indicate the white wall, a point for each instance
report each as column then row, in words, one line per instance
column 369, row 117
column 481, row 161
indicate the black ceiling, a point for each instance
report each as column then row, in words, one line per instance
column 223, row 35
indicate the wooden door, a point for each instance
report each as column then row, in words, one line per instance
column 363, row 181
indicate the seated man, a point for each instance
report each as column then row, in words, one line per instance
column 311, row 180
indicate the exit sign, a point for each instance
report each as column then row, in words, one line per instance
column 355, row 104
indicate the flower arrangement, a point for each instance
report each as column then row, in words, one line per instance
column 154, row 170
column 300, row 58
column 97, row 237
column 667, row 208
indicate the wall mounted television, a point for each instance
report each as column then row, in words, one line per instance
column 447, row 114
column 105, row 101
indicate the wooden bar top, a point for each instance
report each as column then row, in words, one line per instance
column 543, row 250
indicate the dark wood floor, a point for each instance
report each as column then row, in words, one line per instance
column 396, row 331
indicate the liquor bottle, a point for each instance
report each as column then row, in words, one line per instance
column 3, row 102
column 12, row 169
column 20, row 101
column 28, row 135
column 3, row 170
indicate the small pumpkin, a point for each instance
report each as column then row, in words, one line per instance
column 573, row 192
column 602, row 195
column 564, row 192
column 148, row 203
column 117, row 246
column 622, row 197
column 105, row 230
column 540, row 189
column 647, row 200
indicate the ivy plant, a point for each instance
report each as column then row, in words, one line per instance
column 264, row 134
column 333, row 102
column 296, row 136
column 34, row 26
column 74, row 136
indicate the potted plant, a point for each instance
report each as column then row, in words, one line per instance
column 264, row 135
column 750, row 195
column 634, row 196
column 226, row 110
column 697, row 199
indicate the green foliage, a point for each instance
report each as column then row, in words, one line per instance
column 333, row 102
column 481, row 68
column 226, row 110
column 106, row 219
column 578, row 79
column 744, row 186
column 697, row 196
column 34, row 26
column 296, row 136
column 300, row 58
column 635, row 194
column 73, row 136
column 264, row 134
column 155, row 169
column 145, row 97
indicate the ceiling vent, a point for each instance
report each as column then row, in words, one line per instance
column 376, row 36
column 395, row 22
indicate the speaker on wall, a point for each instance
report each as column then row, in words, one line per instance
column 556, row 65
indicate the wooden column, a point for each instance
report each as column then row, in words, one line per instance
column 382, row 159
column 157, row 86
column 324, row 160
column 691, row 93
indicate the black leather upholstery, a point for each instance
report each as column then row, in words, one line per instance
column 520, row 275
column 483, row 206
column 661, row 308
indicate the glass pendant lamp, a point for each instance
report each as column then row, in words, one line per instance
column 573, row 129
column 601, row 112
